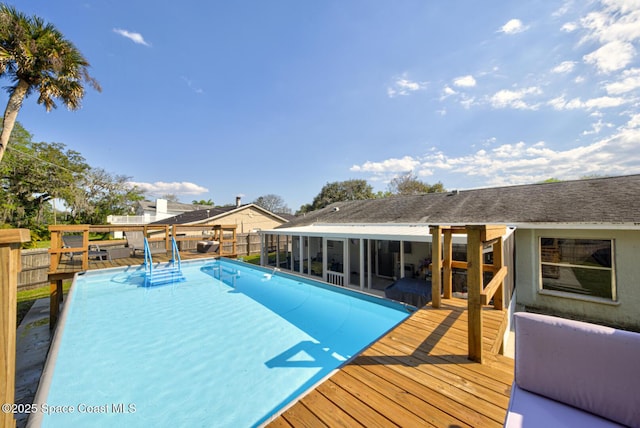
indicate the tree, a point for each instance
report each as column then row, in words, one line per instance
column 408, row 184
column 171, row 197
column 100, row 194
column 273, row 203
column 339, row 191
column 33, row 174
column 37, row 57
column 203, row 202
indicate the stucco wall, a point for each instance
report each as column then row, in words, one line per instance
column 249, row 219
column 623, row 312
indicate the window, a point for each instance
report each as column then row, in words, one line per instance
column 579, row 266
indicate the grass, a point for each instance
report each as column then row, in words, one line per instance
column 254, row 259
column 27, row 298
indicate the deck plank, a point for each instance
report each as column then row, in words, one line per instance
column 356, row 408
column 419, row 374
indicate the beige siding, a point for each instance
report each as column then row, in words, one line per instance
column 623, row 312
column 249, row 219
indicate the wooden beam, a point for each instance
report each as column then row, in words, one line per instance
column 491, row 232
column 463, row 265
column 436, row 263
column 446, row 268
column 498, row 261
column 493, row 288
column 474, row 288
column 10, row 243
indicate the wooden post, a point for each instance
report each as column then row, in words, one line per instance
column 474, row 288
column 446, row 268
column 498, row 262
column 55, row 298
column 10, row 241
column 436, row 264
column 56, row 243
column 85, row 248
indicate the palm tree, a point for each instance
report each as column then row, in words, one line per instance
column 37, row 58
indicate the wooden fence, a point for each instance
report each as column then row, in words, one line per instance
column 35, row 262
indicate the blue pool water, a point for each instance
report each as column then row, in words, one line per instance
column 229, row 347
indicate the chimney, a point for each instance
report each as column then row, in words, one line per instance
column 161, row 206
column 238, row 201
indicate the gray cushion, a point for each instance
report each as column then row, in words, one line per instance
column 587, row 366
column 529, row 410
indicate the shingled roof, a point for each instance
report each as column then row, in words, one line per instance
column 612, row 200
column 200, row 216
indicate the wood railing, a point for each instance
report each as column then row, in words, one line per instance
column 10, row 242
column 225, row 234
column 478, row 238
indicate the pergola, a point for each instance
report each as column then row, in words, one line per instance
column 479, row 295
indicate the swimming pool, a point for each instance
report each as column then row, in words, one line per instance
column 231, row 346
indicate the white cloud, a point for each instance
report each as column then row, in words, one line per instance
column 465, row 81
column 569, row 27
column 448, row 91
column 522, row 163
column 597, row 127
column 176, row 188
column 404, row 86
column 560, row 103
column 612, row 56
column 630, row 81
column 515, row 99
column 616, row 21
column 513, row 26
column 634, row 122
column 192, row 86
column 467, row 102
column 134, row 37
column 407, row 163
column 564, row 67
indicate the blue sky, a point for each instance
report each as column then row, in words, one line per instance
column 217, row 99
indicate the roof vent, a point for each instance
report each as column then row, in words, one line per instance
column 336, row 209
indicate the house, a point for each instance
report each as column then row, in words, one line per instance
column 572, row 247
column 247, row 217
column 153, row 211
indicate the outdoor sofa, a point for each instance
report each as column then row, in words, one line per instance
column 573, row 374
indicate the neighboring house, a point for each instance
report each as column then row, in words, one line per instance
column 573, row 246
column 248, row 217
column 149, row 212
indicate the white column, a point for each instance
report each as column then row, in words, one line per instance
column 262, row 248
column 362, row 271
column 301, row 251
column 346, row 265
column 324, row 259
column 401, row 259
column 369, row 273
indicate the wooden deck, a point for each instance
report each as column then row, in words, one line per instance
column 416, row 375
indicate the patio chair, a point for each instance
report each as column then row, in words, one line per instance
column 76, row 241
column 135, row 241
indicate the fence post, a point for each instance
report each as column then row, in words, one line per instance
column 10, row 241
